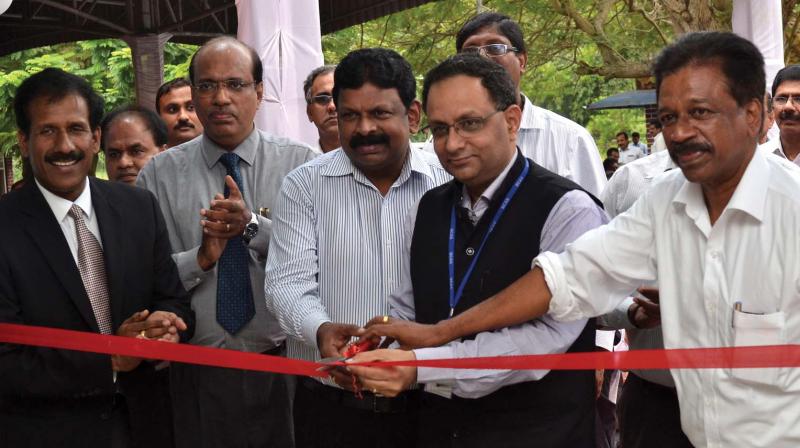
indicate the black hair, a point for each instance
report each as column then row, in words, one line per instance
column 622, row 133
column 655, row 122
column 151, row 120
column 610, row 150
column 319, row 71
column 504, row 25
column 167, row 87
column 494, row 78
column 381, row 67
column 635, row 135
column 788, row 73
column 54, row 84
column 255, row 59
column 738, row 59
column 607, row 164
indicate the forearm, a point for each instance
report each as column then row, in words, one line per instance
column 526, row 299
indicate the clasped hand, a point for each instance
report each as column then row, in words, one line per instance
column 159, row 325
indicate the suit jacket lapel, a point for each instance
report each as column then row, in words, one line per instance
column 112, row 232
column 46, row 234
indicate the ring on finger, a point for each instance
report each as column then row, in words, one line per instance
column 142, row 334
column 385, row 318
column 227, row 227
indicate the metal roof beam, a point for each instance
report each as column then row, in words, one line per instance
column 78, row 13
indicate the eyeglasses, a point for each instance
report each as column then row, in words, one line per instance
column 491, row 50
column 321, row 100
column 466, row 127
column 206, row 88
column 784, row 100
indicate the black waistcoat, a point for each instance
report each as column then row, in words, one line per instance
column 564, row 399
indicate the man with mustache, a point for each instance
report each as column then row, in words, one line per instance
column 130, row 137
column 337, row 247
column 175, row 106
column 82, row 254
column 718, row 237
column 786, row 111
column 221, row 243
column 320, row 107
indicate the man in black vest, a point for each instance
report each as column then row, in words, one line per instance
column 469, row 239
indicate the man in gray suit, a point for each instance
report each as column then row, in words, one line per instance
column 221, row 244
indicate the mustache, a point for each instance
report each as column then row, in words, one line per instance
column 184, row 123
column 680, row 148
column 790, row 115
column 72, row 156
column 369, row 139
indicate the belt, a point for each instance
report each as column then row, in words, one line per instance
column 370, row 402
column 279, row 350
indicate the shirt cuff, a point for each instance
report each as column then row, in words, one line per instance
column 435, row 374
column 561, row 307
column 310, row 326
column 189, row 270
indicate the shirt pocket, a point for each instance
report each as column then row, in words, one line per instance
column 753, row 330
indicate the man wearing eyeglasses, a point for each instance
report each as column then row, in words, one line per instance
column 786, row 110
column 320, row 107
column 469, row 239
column 221, row 244
column 554, row 142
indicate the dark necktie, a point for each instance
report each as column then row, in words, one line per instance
column 92, row 267
column 235, row 306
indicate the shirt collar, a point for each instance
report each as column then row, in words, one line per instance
column 342, row 166
column 530, row 119
column 61, row 206
column 246, row 150
column 490, row 191
column 749, row 197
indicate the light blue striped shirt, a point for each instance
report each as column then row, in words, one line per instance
column 337, row 244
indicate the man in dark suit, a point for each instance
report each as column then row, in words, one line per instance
column 80, row 254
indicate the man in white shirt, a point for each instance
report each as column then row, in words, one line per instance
column 627, row 152
column 786, row 111
column 554, row 142
column 654, row 133
column 635, row 142
column 713, row 234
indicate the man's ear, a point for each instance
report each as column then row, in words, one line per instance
column 308, row 112
column 523, row 61
column 513, row 116
column 260, row 92
column 414, row 116
column 96, row 140
column 754, row 111
column 22, row 141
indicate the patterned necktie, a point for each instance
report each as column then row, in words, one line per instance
column 92, row 267
column 235, row 306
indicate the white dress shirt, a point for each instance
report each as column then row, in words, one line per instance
column 750, row 255
column 337, row 244
column 630, row 154
column 571, row 216
column 775, row 146
column 562, row 146
column 627, row 185
column 61, row 207
column 658, row 144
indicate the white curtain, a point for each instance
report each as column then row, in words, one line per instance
column 286, row 34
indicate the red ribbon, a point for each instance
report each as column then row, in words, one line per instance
column 696, row 358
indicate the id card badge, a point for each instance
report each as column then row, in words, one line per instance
column 442, row 390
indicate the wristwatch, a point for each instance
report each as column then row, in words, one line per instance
column 251, row 229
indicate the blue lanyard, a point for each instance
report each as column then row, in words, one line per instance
column 455, row 296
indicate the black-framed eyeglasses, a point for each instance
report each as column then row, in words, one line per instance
column 205, row 88
column 465, row 127
column 321, row 100
column 491, row 50
column 783, row 100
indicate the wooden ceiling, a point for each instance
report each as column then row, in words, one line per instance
column 35, row 23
